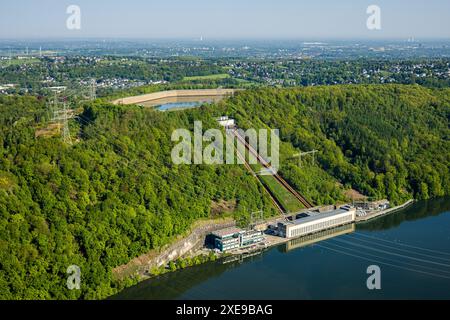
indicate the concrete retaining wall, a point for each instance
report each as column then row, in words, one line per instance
column 189, row 244
column 174, row 94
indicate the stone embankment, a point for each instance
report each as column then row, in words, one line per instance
column 157, row 258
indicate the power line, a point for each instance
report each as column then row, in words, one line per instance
column 393, row 253
column 93, row 94
column 403, row 244
column 301, row 154
column 61, row 116
column 66, row 130
column 381, row 262
column 390, row 259
column 373, row 242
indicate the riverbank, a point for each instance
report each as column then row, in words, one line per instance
column 183, row 245
column 274, row 273
column 376, row 214
column 192, row 246
column 272, row 241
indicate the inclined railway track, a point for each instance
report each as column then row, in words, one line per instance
column 277, row 177
column 275, row 202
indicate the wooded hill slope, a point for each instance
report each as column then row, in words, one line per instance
column 383, row 140
column 115, row 193
column 102, row 201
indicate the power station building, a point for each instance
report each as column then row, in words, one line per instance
column 227, row 239
column 234, row 238
column 312, row 223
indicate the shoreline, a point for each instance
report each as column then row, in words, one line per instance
column 271, row 241
column 384, row 212
column 183, row 245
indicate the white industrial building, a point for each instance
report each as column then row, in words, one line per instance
column 315, row 223
column 226, row 122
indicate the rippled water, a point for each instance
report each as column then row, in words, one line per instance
column 412, row 248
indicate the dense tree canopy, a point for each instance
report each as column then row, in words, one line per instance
column 115, row 194
column 102, row 201
column 383, row 140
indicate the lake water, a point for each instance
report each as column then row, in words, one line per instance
column 411, row 246
column 174, row 103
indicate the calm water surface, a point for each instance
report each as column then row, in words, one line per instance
column 173, row 103
column 412, row 248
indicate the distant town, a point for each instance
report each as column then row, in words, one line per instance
column 117, row 66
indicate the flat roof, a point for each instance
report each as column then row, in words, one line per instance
column 251, row 232
column 318, row 216
column 226, row 231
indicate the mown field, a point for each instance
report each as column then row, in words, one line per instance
column 208, row 77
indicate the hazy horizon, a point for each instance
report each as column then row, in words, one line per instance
column 225, row 20
column 229, row 39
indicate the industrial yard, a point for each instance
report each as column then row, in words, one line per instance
column 237, row 241
column 307, row 221
column 305, row 227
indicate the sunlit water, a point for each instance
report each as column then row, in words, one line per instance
column 412, row 248
column 174, row 103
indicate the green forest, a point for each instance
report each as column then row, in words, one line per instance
column 102, row 201
column 114, row 193
column 386, row 141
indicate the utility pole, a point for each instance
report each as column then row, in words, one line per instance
column 255, row 218
column 66, row 131
column 62, row 118
column 301, row 154
column 93, row 93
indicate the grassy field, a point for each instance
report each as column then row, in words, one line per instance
column 208, row 77
column 18, row 62
column 107, row 62
column 287, row 200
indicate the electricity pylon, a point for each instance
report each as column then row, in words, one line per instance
column 93, row 94
column 61, row 116
column 66, row 131
column 301, row 154
column 256, row 217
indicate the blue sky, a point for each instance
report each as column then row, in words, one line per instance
column 215, row 19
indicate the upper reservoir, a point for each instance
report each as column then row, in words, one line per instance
column 177, row 99
column 173, row 103
column 411, row 247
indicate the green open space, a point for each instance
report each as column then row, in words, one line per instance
column 218, row 76
column 18, row 62
column 282, row 195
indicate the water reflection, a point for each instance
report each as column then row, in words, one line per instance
column 418, row 210
column 181, row 102
column 317, row 237
column 325, row 274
